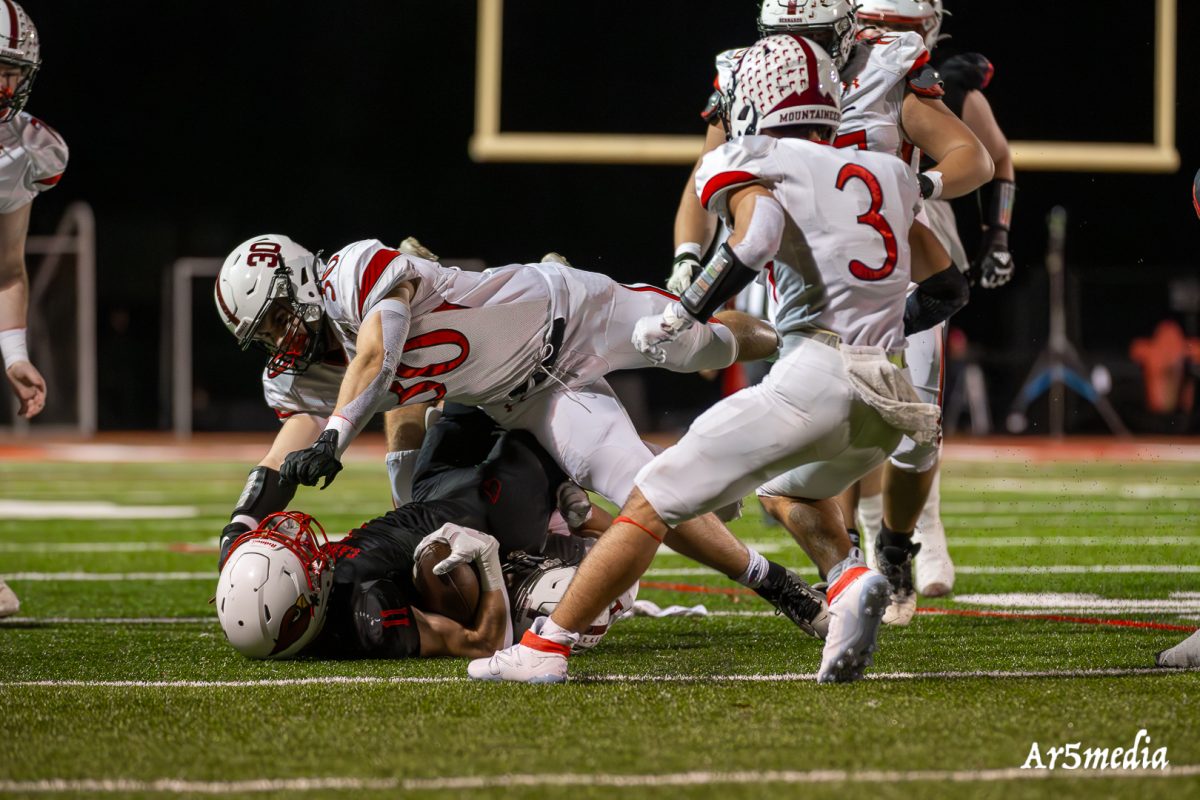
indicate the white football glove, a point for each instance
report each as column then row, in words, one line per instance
column 651, row 333
column 466, row 546
column 412, row 247
column 686, row 266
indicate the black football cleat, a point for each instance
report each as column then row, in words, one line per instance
column 799, row 602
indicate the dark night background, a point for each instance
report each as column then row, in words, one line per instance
column 194, row 126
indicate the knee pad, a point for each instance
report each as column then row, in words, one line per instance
column 384, row 625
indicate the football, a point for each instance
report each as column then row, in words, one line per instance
column 455, row 594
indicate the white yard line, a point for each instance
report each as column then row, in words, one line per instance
column 101, row 547
column 22, row 621
column 1065, row 487
column 615, row 780
column 787, row 677
column 1039, row 506
column 957, row 542
column 967, row 569
column 109, row 576
column 89, row 510
column 658, row 572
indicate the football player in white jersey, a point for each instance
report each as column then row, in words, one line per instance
column 303, row 397
column 890, row 105
column 833, row 222
column 32, row 159
column 964, row 77
column 528, row 344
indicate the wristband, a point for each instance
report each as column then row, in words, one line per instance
column 345, row 432
column 931, row 184
column 13, row 346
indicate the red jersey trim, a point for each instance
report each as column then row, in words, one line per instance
column 281, row 414
column 724, row 181
column 51, row 181
column 375, row 268
column 921, row 61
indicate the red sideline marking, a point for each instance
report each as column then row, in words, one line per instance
column 1116, row 623
column 954, row 612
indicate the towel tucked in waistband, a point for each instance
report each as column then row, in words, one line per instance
column 884, row 387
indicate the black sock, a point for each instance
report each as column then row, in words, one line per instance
column 855, row 537
column 891, row 538
column 776, row 573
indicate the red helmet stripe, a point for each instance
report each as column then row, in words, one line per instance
column 12, row 24
column 229, row 315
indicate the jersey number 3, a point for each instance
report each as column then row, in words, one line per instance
column 873, row 219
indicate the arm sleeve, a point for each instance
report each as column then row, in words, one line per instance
column 395, row 318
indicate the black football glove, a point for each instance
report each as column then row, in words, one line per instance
column 993, row 267
column 318, row 461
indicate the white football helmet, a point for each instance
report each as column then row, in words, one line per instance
column 274, row 588
column 271, row 273
column 541, row 592
column 829, row 23
column 920, row 16
column 20, row 47
column 781, row 81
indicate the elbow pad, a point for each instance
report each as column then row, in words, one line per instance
column 264, row 494
column 723, row 277
column 936, row 299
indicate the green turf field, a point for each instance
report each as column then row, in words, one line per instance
column 115, row 679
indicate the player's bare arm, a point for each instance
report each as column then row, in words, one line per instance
column 491, row 628
column 963, row 163
column 26, row 382
column 442, row 636
column 694, row 227
column 379, row 343
column 978, row 117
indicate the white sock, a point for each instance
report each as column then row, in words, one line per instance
column 549, row 629
column 870, row 515
column 400, row 466
column 756, row 571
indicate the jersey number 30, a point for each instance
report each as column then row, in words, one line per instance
column 873, row 219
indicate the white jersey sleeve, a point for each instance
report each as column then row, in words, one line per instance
column 732, row 166
column 33, row 158
column 874, row 84
column 359, row 276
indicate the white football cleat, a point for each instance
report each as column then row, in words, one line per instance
column 934, row 567
column 1184, row 654
column 532, row 660
column 9, row 604
column 857, row 598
